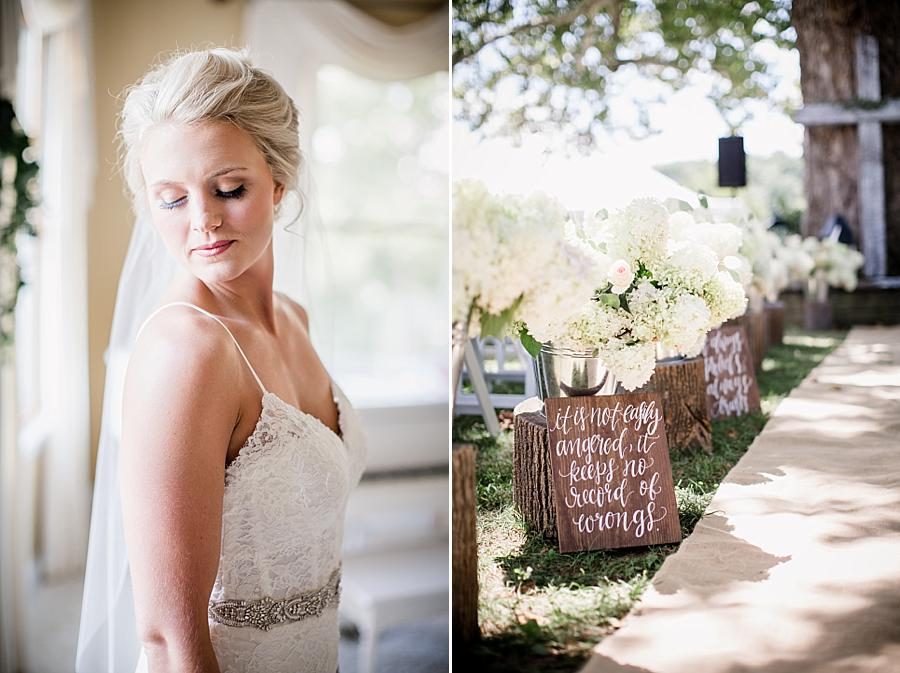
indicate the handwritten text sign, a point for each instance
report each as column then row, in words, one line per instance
column 731, row 388
column 611, row 473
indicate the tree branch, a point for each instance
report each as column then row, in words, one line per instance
column 584, row 7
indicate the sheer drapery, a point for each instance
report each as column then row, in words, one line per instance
column 294, row 40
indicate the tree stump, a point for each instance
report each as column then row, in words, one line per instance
column 817, row 314
column 682, row 386
column 758, row 337
column 532, row 475
column 775, row 322
column 465, row 546
column 754, row 323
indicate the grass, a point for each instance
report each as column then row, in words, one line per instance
column 541, row 610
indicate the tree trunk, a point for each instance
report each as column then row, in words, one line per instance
column 826, row 33
column 826, row 36
column 775, row 323
column 682, row 386
column 532, row 475
column 884, row 21
column 465, row 547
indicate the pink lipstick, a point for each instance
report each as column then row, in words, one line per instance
column 213, row 249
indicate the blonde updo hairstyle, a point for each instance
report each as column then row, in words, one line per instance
column 217, row 84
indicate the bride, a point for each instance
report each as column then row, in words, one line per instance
column 218, row 514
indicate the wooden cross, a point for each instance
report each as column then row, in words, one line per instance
column 868, row 118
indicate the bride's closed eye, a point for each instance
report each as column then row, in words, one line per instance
column 235, row 193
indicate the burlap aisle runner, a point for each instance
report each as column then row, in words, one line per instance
column 796, row 566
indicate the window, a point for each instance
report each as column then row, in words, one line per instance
column 380, row 153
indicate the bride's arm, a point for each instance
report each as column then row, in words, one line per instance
column 180, row 407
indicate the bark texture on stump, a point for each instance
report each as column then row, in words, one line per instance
column 532, row 474
column 817, row 314
column 465, row 546
column 754, row 323
column 775, row 323
column 758, row 336
column 682, row 386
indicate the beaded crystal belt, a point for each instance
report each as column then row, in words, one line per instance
column 266, row 612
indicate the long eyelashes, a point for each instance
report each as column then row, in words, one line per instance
column 236, row 193
column 170, row 205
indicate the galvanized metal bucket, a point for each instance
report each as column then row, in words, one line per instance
column 561, row 372
column 664, row 354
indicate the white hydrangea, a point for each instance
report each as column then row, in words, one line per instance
column 725, row 298
column 689, row 265
column 596, row 324
column 836, row 262
column 798, row 261
column 632, row 280
column 637, row 233
column 688, row 322
column 503, row 247
column 723, row 237
column 559, row 298
column 648, row 306
column 761, row 247
column 633, row 364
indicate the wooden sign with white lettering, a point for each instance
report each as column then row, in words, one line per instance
column 612, row 480
column 731, row 388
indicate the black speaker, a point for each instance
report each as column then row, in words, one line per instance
column 732, row 162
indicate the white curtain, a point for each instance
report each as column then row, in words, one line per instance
column 63, row 129
column 292, row 39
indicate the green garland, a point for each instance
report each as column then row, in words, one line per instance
column 14, row 143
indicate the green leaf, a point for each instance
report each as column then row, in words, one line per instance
column 529, row 343
column 611, row 300
column 531, row 629
column 499, row 325
column 703, row 200
column 673, row 205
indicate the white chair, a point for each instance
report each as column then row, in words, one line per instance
column 393, row 587
column 396, row 557
column 483, row 400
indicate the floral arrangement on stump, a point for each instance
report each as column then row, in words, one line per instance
column 658, row 278
column 769, row 273
column 796, row 258
column 834, row 264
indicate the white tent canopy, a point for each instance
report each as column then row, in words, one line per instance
column 583, row 183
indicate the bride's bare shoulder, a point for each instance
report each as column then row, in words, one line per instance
column 181, row 357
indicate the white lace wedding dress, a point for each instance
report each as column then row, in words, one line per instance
column 273, row 607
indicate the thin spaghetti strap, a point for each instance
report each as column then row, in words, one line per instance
column 205, row 312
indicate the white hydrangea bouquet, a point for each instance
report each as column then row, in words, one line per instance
column 664, row 279
column 796, row 258
column 769, row 268
column 510, row 255
column 835, row 264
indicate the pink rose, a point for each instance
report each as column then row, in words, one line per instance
column 621, row 276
